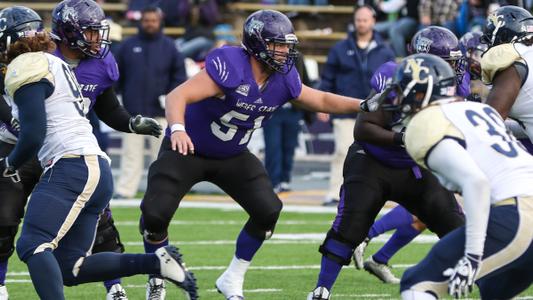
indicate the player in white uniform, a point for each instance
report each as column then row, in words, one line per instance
column 62, row 214
column 466, row 145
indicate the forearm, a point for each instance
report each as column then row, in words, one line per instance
column 374, row 134
column 175, row 108
column 109, row 110
column 337, row 104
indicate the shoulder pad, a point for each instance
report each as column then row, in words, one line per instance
column 496, row 59
column 111, row 67
column 225, row 66
column 25, row 69
column 421, row 138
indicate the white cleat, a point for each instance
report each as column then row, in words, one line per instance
column 320, row 293
column 381, row 271
column 359, row 253
column 230, row 285
column 116, row 292
column 174, row 270
column 3, row 293
column 155, row 289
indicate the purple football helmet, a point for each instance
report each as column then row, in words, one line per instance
column 507, row 24
column 263, row 32
column 443, row 43
column 472, row 48
column 17, row 22
column 419, row 80
column 74, row 20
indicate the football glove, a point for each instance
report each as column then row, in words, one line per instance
column 462, row 277
column 8, row 171
column 372, row 104
column 143, row 125
column 15, row 124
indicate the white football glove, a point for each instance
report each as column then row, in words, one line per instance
column 463, row 276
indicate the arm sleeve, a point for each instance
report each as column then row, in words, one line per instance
column 109, row 110
column 32, row 116
column 5, row 111
column 453, row 163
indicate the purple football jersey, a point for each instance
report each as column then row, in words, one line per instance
column 222, row 127
column 94, row 75
column 463, row 88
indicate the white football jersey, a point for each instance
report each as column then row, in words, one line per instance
column 522, row 109
column 68, row 131
column 498, row 154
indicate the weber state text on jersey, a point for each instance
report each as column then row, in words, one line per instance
column 480, row 129
column 222, row 127
column 94, row 75
column 67, row 129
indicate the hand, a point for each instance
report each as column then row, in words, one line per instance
column 15, row 124
column 372, row 104
column 322, row 117
column 180, row 140
column 143, row 125
column 8, row 171
column 462, row 277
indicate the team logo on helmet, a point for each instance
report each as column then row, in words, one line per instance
column 423, row 45
column 418, row 72
column 255, row 27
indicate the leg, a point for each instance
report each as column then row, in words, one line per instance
column 395, row 218
column 131, row 165
column 244, row 178
column 343, row 135
column 272, row 132
column 291, row 129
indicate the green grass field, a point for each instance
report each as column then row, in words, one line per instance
column 283, row 268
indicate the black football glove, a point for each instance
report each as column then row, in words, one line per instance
column 8, row 171
column 143, row 125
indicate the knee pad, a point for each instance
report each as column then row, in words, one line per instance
column 336, row 249
column 263, row 227
column 7, row 238
column 107, row 237
column 149, row 235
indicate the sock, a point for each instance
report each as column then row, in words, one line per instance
column 109, row 265
column 109, row 283
column 330, row 269
column 247, row 246
column 46, row 276
column 238, row 267
column 151, row 247
column 3, row 270
column 395, row 218
column 403, row 236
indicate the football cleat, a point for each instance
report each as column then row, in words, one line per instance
column 381, row 271
column 230, row 285
column 359, row 253
column 320, row 293
column 155, row 289
column 174, row 270
column 116, row 292
column 3, row 293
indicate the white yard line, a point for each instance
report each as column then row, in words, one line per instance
column 228, row 222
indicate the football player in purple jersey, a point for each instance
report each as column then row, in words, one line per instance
column 211, row 118
column 378, row 169
column 80, row 31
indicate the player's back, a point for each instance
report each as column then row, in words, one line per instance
column 505, row 162
column 68, row 131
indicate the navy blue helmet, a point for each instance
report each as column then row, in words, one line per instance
column 507, row 24
column 74, row 20
column 17, row 22
column 472, row 48
column 443, row 43
column 266, row 30
column 419, row 80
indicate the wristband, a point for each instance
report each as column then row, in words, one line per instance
column 398, row 138
column 177, row 127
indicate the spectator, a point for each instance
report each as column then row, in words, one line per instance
column 281, row 139
column 348, row 70
column 439, row 12
column 150, row 67
column 402, row 30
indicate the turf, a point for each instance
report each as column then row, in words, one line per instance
column 281, row 270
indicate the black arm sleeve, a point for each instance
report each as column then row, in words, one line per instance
column 109, row 110
column 32, row 116
column 5, row 111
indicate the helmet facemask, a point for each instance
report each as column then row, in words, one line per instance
column 280, row 54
